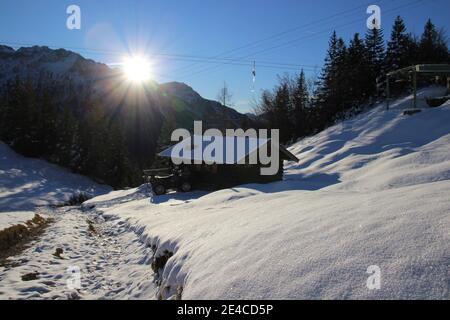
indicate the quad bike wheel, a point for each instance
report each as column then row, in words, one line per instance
column 186, row 187
column 159, row 189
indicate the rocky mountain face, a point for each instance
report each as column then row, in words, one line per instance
column 36, row 61
column 147, row 113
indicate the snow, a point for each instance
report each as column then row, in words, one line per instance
column 372, row 190
column 8, row 219
column 121, row 196
column 199, row 148
column 113, row 264
column 34, row 62
column 26, row 183
column 369, row 191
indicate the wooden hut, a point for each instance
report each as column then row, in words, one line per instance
column 229, row 168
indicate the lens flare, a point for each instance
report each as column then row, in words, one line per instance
column 137, row 69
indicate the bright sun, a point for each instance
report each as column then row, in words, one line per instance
column 137, row 69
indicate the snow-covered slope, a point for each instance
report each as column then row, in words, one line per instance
column 370, row 191
column 8, row 219
column 26, row 183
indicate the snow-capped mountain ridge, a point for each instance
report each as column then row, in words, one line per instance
column 31, row 63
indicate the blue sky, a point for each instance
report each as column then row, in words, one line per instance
column 174, row 32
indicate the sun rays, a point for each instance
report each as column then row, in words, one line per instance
column 137, row 69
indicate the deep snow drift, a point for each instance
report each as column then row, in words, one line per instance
column 26, row 183
column 373, row 190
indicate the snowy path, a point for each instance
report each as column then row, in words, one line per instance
column 113, row 263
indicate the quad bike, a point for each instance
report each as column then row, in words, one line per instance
column 162, row 180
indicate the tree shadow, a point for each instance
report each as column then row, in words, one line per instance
column 405, row 134
column 177, row 198
column 291, row 182
column 28, row 182
column 310, row 182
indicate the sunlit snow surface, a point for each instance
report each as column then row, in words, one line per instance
column 27, row 183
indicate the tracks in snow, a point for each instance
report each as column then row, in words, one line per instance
column 113, row 263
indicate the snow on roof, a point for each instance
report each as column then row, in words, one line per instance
column 200, row 148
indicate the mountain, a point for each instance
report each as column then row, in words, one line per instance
column 35, row 62
column 62, row 66
column 208, row 110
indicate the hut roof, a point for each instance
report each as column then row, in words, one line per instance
column 193, row 148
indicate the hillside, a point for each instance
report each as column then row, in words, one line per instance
column 27, row 183
column 372, row 190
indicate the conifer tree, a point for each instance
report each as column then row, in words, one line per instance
column 119, row 172
column 24, row 116
column 66, row 140
column 300, row 99
column 265, row 107
column 333, row 84
column 342, row 81
column 375, row 55
column 359, row 82
column 282, row 111
column 326, row 87
column 47, row 123
column 432, row 46
column 400, row 51
column 329, row 70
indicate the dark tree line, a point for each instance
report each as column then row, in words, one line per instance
column 35, row 125
column 353, row 74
